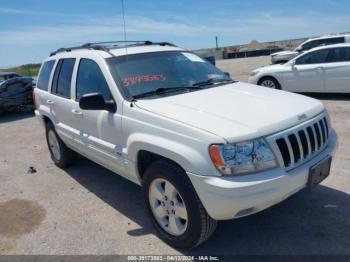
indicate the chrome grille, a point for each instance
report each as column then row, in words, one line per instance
column 294, row 146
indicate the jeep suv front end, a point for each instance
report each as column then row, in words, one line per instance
column 297, row 151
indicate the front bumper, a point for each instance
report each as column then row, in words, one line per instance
column 253, row 79
column 233, row 197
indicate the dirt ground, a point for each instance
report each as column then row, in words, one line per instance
column 88, row 210
column 241, row 68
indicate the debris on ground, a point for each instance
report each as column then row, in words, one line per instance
column 31, row 170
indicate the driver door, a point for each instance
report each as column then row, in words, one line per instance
column 95, row 123
column 307, row 74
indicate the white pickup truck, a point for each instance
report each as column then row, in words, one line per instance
column 202, row 146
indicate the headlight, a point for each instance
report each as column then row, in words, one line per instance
column 254, row 73
column 240, row 158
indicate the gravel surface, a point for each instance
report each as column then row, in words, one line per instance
column 87, row 209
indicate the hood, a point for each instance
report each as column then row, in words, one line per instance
column 237, row 111
column 285, row 53
column 274, row 67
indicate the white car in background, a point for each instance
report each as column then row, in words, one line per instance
column 285, row 56
column 322, row 69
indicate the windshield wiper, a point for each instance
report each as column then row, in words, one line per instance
column 165, row 90
column 212, row 81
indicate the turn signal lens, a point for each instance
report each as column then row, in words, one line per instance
column 215, row 155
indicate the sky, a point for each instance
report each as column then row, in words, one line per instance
column 31, row 29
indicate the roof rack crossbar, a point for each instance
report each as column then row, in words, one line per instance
column 108, row 45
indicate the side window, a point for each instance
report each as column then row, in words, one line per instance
column 339, row 55
column 63, row 77
column 43, row 80
column 336, row 55
column 310, row 45
column 335, row 40
column 90, row 80
column 347, row 54
column 316, row 57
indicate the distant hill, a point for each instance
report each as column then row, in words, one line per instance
column 26, row 70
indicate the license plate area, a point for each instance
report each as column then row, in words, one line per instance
column 319, row 172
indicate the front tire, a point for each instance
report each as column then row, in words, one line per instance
column 175, row 209
column 269, row 82
column 61, row 155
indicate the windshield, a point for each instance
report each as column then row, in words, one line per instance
column 173, row 71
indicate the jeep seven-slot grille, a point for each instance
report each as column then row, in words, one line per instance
column 300, row 144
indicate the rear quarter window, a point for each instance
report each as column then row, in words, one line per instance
column 44, row 76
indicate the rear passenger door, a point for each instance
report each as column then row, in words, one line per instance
column 337, row 70
column 61, row 103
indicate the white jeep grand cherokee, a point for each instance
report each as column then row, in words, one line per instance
column 203, row 147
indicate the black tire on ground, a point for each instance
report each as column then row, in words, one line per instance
column 67, row 156
column 200, row 225
column 269, row 79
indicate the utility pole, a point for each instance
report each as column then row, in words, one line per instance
column 216, row 41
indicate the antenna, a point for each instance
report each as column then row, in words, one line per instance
column 123, row 13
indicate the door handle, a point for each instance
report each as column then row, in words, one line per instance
column 50, row 102
column 77, row 112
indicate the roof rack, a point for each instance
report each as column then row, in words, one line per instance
column 107, row 46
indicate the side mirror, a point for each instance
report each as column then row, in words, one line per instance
column 95, row 101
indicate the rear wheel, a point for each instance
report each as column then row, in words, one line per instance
column 176, row 211
column 269, row 82
column 61, row 155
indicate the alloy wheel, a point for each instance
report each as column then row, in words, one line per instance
column 168, row 207
column 268, row 83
